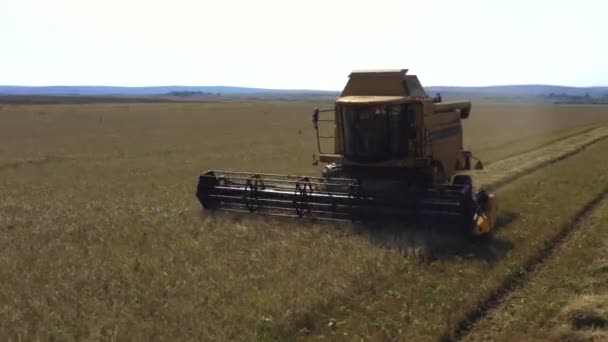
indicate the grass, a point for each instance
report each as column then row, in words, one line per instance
column 498, row 131
column 439, row 293
column 264, row 136
column 493, row 154
column 573, row 280
column 505, row 170
column 101, row 236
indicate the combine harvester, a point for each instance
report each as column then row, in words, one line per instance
column 396, row 155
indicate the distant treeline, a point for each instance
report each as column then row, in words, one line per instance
column 75, row 99
column 200, row 96
column 192, row 93
column 564, row 98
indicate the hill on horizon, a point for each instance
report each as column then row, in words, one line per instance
column 518, row 91
column 153, row 90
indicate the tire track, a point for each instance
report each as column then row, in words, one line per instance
column 505, row 171
column 35, row 162
column 544, row 144
column 518, row 279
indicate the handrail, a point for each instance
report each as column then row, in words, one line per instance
column 315, row 122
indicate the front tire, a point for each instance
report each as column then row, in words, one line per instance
column 468, row 208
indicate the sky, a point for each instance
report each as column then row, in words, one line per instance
column 312, row 44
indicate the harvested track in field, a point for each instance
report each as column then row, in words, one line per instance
column 507, row 170
column 504, row 171
column 520, row 278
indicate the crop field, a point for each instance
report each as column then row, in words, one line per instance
column 564, row 300
column 101, row 236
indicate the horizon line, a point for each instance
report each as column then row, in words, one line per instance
column 293, row 89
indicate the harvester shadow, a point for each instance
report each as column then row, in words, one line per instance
column 426, row 242
column 431, row 242
column 504, row 219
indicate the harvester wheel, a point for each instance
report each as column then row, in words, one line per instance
column 468, row 213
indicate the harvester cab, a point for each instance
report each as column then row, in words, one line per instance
column 392, row 152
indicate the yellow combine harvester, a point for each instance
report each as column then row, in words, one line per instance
column 396, row 154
